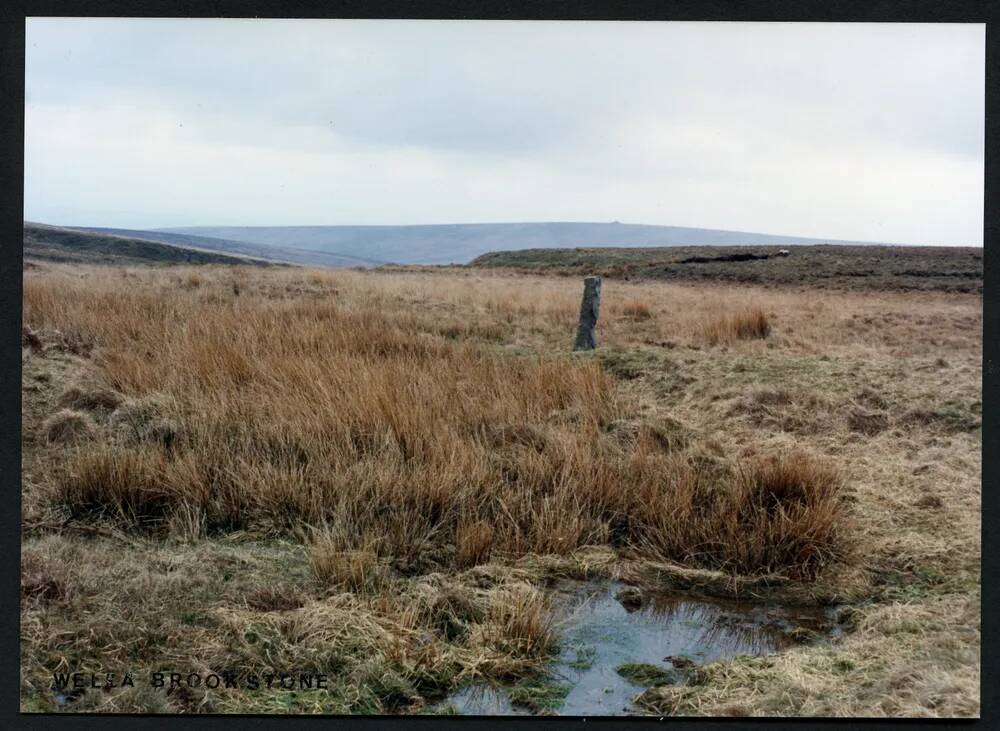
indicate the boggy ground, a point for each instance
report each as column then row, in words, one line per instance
column 373, row 476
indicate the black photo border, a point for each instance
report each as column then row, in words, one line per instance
column 12, row 34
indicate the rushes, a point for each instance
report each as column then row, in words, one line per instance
column 473, row 542
column 746, row 324
column 343, row 560
column 792, row 500
column 347, row 570
column 777, row 514
column 519, row 622
column 637, row 310
column 290, row 411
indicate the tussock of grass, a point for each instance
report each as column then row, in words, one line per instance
column 43, row 581
column 539, row 694
column 795, row 500
column 30, row 339
column 451, row 608
column 519, row 622
column 646, row 674
column 349, row 569
column 146, row 420
column 867, row 422
column 275, row 598
column 637, row 310
column 748, row 324
column 473, row 542
column 187, row 523
column 780, row 514
column 90, row 399
column 69, row 427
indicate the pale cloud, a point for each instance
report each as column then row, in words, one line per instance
column 851, row 131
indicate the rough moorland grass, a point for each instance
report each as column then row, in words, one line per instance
column 423, row 450
column 637, row 310
column 98, row 594
column 69, row 427
column 254, row 608
column 915, row 659
column 746, row 325
column 957, row 269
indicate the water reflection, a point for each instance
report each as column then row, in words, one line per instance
column 729, row 628
column 483, row 700
column 599, row 634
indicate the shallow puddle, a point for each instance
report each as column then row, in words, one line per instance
column 598, row 635
column 483, row 700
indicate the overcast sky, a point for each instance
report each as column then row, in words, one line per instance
column 849, row 131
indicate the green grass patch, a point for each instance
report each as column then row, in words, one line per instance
column 539, row 694
column 645, row 674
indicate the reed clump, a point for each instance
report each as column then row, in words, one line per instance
column 273, row 413
column 747, row 324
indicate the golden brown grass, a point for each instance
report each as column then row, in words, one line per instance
column 297, row 411
column 473, row 542
column 539, row 311
column 519, row 622
column 746, row 325
column 343, row 563
column 637, row 310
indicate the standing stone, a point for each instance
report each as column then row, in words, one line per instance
column 588, row 314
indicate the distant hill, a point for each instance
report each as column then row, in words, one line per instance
column 54, row 243
column 241, row 248
column 461, row 243
column 941, row 268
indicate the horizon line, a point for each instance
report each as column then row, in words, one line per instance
column 167, row 229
